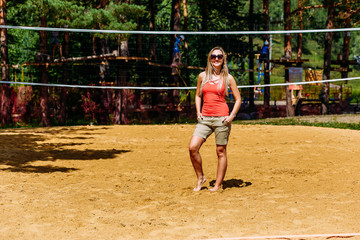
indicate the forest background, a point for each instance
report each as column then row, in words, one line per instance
column 62, row 106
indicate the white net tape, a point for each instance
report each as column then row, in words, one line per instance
column 173, row 88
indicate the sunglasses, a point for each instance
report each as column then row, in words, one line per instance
column 220, row 56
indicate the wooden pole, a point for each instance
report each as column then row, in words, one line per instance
column 44, row 98
column 4, row 42
column 176, row 19
column 301, row 27
column 5, row 101
column 267, row 37
column 186, row 55
column 287, row 50
column 139, row 36
column 152, row 8
column 251, row 57
column 327, row 57
column 346, row 49
column 287, row 36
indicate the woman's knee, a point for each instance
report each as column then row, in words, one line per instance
column 193, row 148
column 221, row 150
column 195, row 144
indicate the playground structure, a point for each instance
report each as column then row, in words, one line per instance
column 145, row 105
column 143, row 59
column 306, row 94
column 141, row 105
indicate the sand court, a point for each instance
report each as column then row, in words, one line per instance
column 136, row 182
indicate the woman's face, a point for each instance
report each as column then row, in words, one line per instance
column 217, row 58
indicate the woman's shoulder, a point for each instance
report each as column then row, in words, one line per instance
column 230, row 76
column 202, row 75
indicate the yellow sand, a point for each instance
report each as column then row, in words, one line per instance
column 135, row 182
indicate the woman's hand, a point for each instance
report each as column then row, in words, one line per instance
column 199, row 116
column 236, row 94
column 228, row 119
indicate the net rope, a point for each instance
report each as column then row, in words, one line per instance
column 150, row 89
column 181, row 32
column 173, row 88
column 186, row 87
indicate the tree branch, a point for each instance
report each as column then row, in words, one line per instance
column 306, row 8
column 356, row 23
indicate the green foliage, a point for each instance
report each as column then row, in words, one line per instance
column 113, row 17
column 60, row 13
column 356, row 96
column 22, row 45
column 226, row 15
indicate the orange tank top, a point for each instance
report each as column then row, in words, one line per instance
column 214, row 101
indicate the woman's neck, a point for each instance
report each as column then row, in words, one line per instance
column 216, row 72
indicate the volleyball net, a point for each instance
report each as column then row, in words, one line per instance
column 106, row 76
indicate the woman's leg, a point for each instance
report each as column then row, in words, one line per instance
column 221, row 168
column 195, row 157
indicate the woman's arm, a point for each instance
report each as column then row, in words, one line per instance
column 236, row 94
column 198, row 95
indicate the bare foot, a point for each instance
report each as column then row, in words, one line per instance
column 199, row 184
column 214, row 189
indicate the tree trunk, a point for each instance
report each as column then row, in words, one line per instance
column 104, row 66
column 186, row 52
column 327, row 58
column 117, row 102
column 290, row 111
column 204, row 14
column 123, row 76
column 287, row 53
column 204, row 26
column 103, row 3
column 105, row 96
column 251, row 57
column 139, row 36
column 152, row 8
column 346, row 49
column 301, row 27
column 175, row 25
column 44, row 98
column 345, row 59
column 267, row 37
column 4, row 42
column 266, row 22
column 120, row 104
column 287, row 37
column 105, row 101
column 175, row 11
column 152, row 71
column 93, row 41
column 5, row 101
column 63, row 94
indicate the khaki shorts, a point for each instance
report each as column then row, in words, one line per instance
column 208, row 125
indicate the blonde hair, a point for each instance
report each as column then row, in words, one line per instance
column 224, row 72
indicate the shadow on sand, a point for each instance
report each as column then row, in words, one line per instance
column 18, row 149
column 232, row 183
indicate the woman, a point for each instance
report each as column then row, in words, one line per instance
column 214, row 116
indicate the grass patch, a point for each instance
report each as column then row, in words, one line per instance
column 301, row 122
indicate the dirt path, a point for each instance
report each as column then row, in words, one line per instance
column 135, row 182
